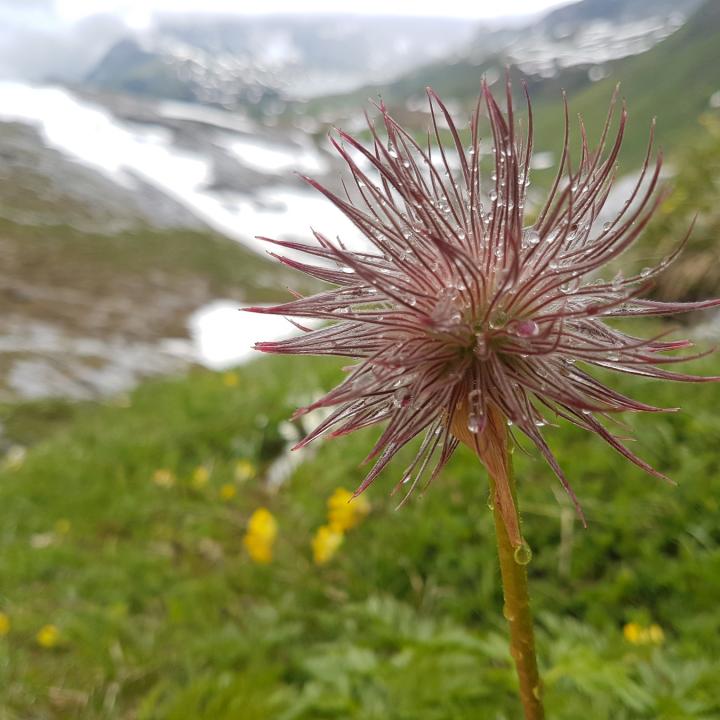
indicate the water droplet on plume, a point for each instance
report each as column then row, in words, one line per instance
column 522, row 554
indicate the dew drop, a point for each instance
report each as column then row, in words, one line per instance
column 537, row 691
column 531, row 237
column 508, row 613
column 527, row 328
column 606, row 226
column 481, row 348
column 645, row 272
column 401, row 397
column 473, row 423
column 498, row 320
column 570, row 286
column 490, row 501
column 493, row 195
column 522, row 554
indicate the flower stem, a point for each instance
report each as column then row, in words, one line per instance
column 493, row 449
column 513, row 569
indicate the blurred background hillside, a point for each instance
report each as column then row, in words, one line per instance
column 143, row 146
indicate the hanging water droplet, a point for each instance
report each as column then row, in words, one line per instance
column 522, row 554
column 645, row 272
column 531, row 236
column 570, row 286
column 537, row 691
column 493, row 195
column 606, row 226
column 509, row 422
column 490, row 501
column 481, row 347
column 473, row 423
column 499, row 317
column 401, row 397
column 508, row 613
column 527, row 328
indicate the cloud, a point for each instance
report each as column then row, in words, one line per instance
column 36, row 46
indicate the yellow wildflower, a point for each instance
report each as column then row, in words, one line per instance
column 48, row 636
column 656, row 634
column 244, row 470
column 228, row 491
column 230, row 379
column 260, row 535
column 200, row 477
column 639, row 635
column 164, row 478
column 633, row 633
column 344, row 511
column 4, row 624
column 325, row 543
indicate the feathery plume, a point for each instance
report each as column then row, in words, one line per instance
column 460, row 316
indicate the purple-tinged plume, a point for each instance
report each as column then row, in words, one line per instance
column 458, row 313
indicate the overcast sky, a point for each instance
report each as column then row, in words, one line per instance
column 139, row 12
column 63, row 38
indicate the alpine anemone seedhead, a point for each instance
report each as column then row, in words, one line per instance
column 459, row 313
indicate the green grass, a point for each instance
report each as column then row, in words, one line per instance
column 142, row 283
column 162, row 614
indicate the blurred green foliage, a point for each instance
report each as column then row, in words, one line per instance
column 693, row 202
column 162, row 615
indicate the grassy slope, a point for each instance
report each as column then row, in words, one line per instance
column 161, row 275
column 673, row 81
column 162, row 615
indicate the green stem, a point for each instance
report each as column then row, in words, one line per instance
column 513, row 568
